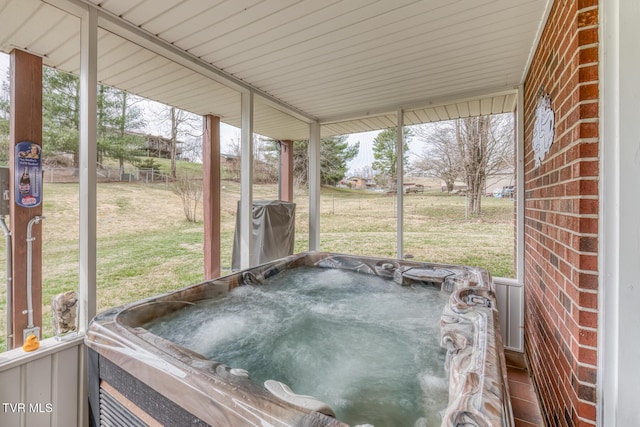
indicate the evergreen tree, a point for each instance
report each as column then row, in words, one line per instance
column 119, row 115
column 4, row 123
column 335, row 153
column 61, row 119
column 386, row 155
column 60, row 113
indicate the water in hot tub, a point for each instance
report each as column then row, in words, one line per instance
column 364, row 345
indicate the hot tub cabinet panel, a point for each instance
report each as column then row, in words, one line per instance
column 138, row 378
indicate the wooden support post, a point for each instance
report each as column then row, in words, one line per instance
column 26, row 125
column 211, row 195
column 286, row 171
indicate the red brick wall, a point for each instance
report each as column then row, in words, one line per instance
column 561, row 217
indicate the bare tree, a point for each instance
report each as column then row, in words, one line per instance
column 485, row 146
column 174, row 114
column 265, row 159
column 440, row 158
column 190, row 191
column 470, row 149
column 178, row 124
column 192, row 150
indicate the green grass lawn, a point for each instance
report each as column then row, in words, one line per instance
column 436, row 228
column 146, row 247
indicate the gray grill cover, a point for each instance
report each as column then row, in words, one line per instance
column 273, row 232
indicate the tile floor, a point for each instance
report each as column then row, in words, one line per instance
column 524, row 401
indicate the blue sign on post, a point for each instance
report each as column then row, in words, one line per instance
column 28, row 174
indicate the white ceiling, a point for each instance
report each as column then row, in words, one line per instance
column 349, row 64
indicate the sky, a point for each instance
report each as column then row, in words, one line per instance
column 229, row 133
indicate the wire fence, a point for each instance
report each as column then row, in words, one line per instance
column 72, row 175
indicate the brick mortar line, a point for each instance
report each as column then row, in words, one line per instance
column 588, row 46
column 580, row 120
column 572, row 232
column 576, row 141
column 565, row 197
column 579, row 252
column 580, row 104
column 542, row 257
column 570, row 129
column 584, row 197
column 573, row 87
column 589, row 27
column 587, row 328
column 590, row 291
column 587, row 365
column 574, row 268
column 531, row 180
column 586, row 216
column 564, row 245
column 589, row 64
column 570, row 163
column 585, row 309
column 588, row 8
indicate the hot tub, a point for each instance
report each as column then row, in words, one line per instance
column 314, row 339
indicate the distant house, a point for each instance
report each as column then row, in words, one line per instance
column 360, row 183
column 457, row 186
column 264, row 171
column 157, row 146
column 229, row 159
column 412, row 187
column 499, row 183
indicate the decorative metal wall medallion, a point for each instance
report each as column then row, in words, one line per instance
column 543, row 129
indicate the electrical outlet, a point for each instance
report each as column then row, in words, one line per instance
column 31, row 331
